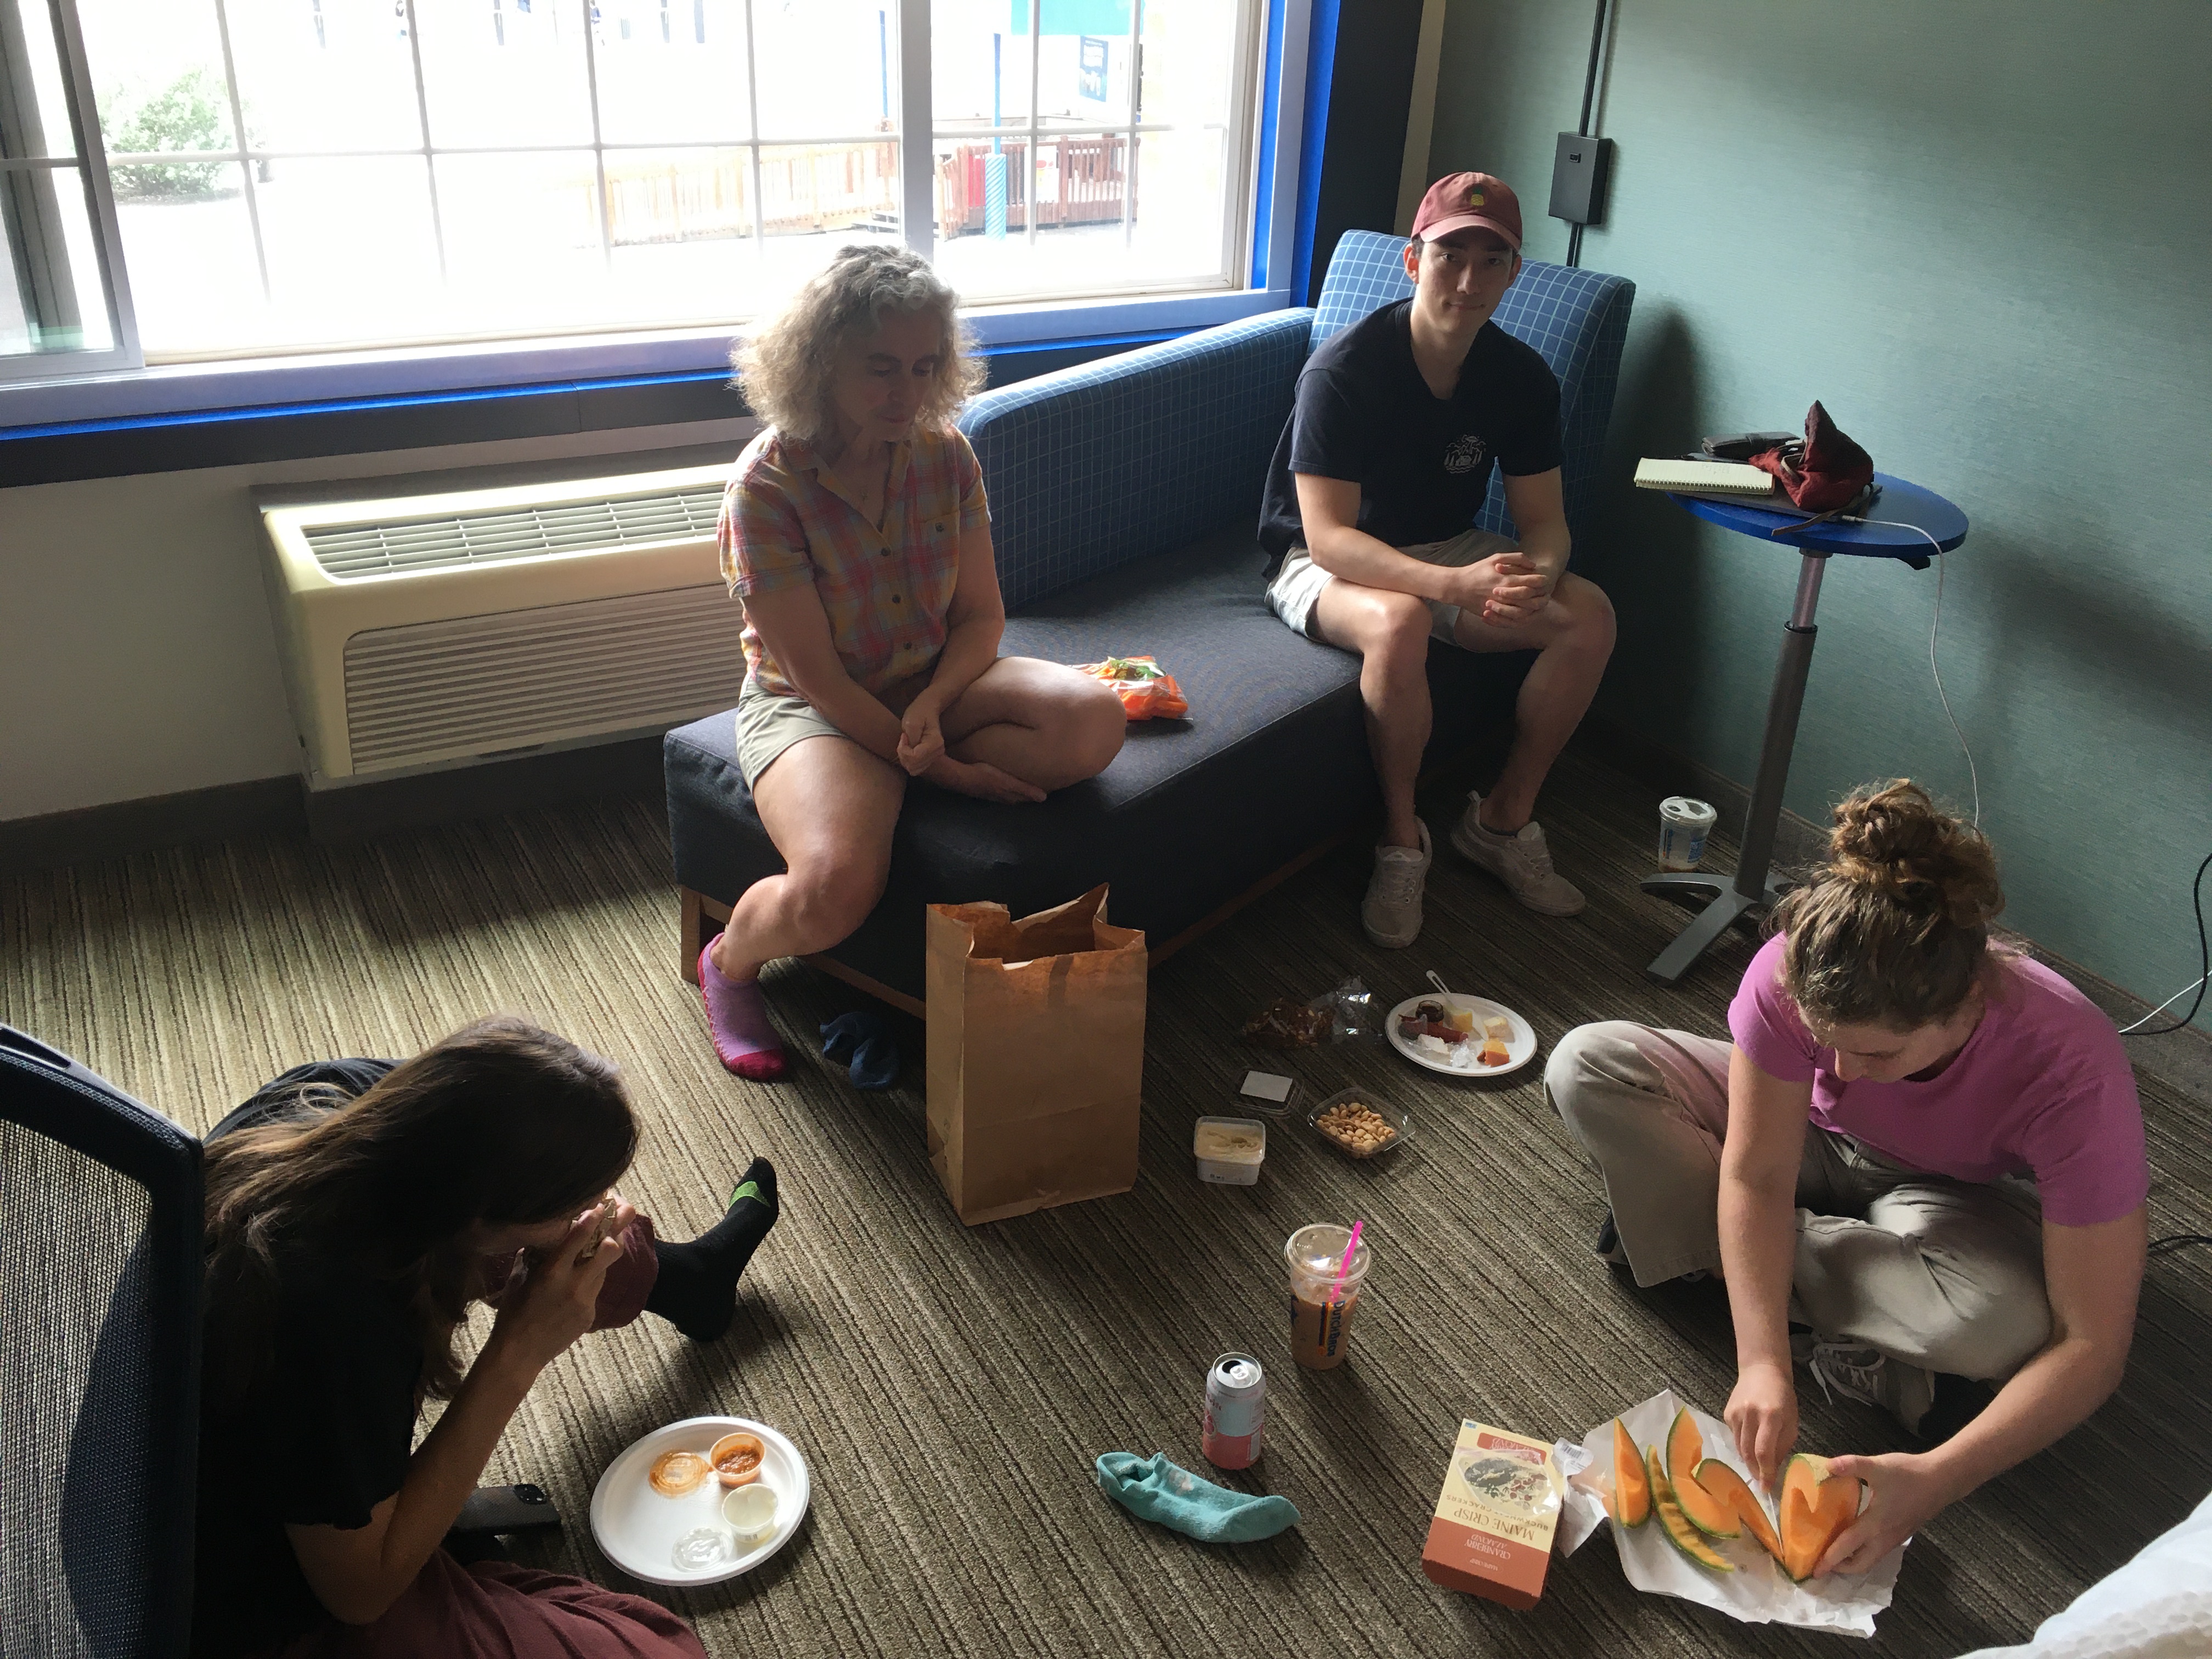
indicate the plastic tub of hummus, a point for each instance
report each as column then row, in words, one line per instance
column 1230, row 1149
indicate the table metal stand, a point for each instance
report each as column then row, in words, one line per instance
column 1729, row 900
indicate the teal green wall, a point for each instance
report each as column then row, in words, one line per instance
column 1981, row 235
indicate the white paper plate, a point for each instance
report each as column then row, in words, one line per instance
column 637, row 1527
column 1520, row 1048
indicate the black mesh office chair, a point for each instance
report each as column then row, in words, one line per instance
column 99, row 1333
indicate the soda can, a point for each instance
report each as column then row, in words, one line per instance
column 1235, row 1408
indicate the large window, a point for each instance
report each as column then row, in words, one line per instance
column 283, row 175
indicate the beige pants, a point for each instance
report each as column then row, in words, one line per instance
column 1935, row 1273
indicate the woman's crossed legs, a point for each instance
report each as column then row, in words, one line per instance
column 830, row 806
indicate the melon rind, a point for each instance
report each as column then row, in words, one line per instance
column 1680, row 1532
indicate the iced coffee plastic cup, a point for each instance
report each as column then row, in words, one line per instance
column 1321, row 1324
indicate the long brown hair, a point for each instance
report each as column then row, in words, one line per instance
column 1895, row 930
column 502, row 1123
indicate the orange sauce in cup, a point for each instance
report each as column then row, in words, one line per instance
column 737, row 1459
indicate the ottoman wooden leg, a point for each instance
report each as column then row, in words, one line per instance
column 699, row 919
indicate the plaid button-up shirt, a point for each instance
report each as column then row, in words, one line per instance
column 886, row 591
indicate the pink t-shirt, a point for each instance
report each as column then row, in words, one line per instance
column 2042, row 1088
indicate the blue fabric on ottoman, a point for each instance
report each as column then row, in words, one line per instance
column 1191, row 813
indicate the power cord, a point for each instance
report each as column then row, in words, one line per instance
column 2196, row 885
column 2173, row 1243
column 2204, row 963
column 1973, row 773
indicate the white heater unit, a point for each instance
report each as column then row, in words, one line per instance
column 424, row 630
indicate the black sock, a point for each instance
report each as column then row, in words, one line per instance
column 696, row 1291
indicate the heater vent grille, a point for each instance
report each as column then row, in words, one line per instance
column 478, row 685
column 385, row 547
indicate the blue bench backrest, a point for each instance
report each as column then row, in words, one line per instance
column 1092, row 466
column 1578, row 318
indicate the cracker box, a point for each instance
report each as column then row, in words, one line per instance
column 1491, row 1536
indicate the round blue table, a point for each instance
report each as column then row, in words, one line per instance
column 1751, row 888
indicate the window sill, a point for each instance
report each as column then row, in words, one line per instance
column 192, row 393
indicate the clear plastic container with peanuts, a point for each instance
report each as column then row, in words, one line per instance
column 1359, row 1123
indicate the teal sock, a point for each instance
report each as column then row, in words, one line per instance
column 1156, row 1490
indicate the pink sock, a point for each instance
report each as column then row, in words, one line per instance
column 737, row 1018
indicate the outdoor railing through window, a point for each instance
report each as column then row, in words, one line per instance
column 291, row 173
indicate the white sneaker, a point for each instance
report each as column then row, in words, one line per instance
column 1391, row 912
column 1522, row 861
column 1873, row 1378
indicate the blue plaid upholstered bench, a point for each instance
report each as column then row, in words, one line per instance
column 1125, row 499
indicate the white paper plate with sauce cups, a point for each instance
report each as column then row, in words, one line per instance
column 638, row 1530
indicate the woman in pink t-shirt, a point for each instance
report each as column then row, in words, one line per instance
column 1926, row 1150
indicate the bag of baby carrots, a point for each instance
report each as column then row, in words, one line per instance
column 1147, row 691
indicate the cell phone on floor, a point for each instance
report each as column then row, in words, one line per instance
column 520, row 1508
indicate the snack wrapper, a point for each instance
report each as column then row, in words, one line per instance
column 1147, row 691
column 1758, row 1592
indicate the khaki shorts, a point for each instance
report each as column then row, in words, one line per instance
column 770, row 722
column 1297, row 585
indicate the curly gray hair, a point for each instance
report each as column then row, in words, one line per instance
column 784, row 366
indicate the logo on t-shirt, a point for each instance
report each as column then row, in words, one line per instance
column 1465, row 453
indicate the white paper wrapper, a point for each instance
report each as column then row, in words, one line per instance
column 1758, row 1592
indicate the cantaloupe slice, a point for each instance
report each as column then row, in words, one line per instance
column 1632, row 1486
column 1680, row 1532
column 1816, row 1507
column 1685, row 1448
column 1733, row 1490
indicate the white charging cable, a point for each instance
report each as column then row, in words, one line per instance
column 1973, row 774
column 2129, row 1031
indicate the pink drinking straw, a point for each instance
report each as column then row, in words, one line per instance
column 1350, row 1245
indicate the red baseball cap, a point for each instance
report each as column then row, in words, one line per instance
column 1459, row 201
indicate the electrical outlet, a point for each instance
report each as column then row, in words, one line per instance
column 1578, row 170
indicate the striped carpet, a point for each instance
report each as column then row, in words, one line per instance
column 951, row 1387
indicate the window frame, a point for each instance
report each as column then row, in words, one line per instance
column 1259, row 236
column 90, row 165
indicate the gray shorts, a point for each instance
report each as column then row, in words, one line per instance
column 770, row 722
column 1298, row 584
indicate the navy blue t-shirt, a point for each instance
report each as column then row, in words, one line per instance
column 1422, row 462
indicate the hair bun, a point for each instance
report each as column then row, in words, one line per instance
column 1897, row 841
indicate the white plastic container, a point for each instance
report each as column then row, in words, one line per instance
column 1230, row 1149
column 1683, row 826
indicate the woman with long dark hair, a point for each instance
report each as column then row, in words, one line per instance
column 1919, row 1165
column 355, row 1210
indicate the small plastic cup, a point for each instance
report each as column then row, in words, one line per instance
column 1321, row 1321
column 1683, row 826
column 750, row 1512
column 747, row 1449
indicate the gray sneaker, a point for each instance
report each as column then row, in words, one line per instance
column 1521, row 861
column 1873, row 1378
column 1391, row 912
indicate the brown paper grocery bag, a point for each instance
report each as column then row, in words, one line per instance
column 1036, row 1055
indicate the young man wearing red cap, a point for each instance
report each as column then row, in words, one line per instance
column 1380, row 472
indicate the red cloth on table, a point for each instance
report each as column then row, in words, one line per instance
column 1832, row 470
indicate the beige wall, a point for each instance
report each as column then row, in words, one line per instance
column 140, row 659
